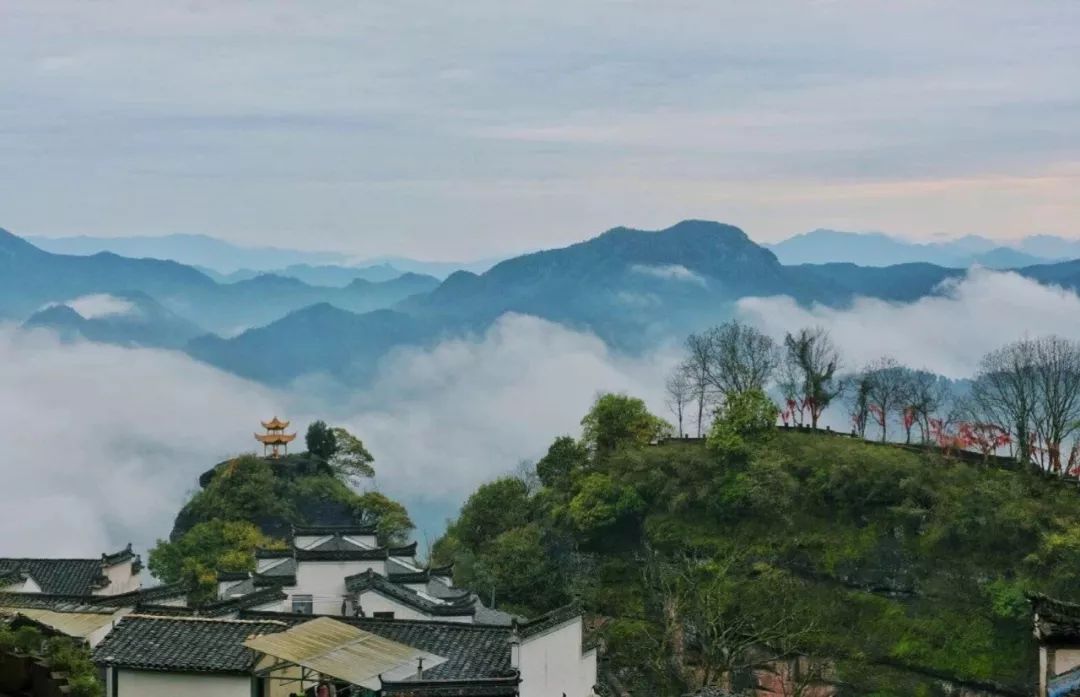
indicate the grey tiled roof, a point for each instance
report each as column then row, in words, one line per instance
column 119, row 557
column 408, row 550
column 263, row 553
column 182, row 644
column 310, row 530
column 357, row 554
column 1055, row 619
column 337, row 543
column 60, row 576
column 60, row 603
column 548, row 620
column 369, row 580
column 472, row 650
column 219, row 608
column 282, row 574
column 227, row 576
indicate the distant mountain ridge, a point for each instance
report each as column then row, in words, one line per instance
column 222, row 259
column 143, row 322
column 635, row 289
column 877, row 249
column 31, row 278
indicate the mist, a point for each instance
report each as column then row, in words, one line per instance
column 946, row 332
column 105, row 444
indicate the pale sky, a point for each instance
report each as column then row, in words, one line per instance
column 456, row 130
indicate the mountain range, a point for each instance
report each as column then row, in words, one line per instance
column 223, row 259
column 877, row 249
column 633, row 288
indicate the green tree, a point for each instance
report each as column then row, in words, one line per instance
column 744, row 418
column 243, row 488
column 493, row 509
column 393, row 522
column 601, row 504
column 564, row 457
column 205, row 549
column 321, row 440
column 517, row 569
column 617, row 420
column 351, row 460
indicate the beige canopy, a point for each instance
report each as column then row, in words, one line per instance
column 335, row 649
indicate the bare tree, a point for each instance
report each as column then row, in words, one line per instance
column 924, row 394
column 710, row 633
column 680, row 390
column 696, row 367
column 859, row 403
column 1005, row 392
column 1057, row 380
column 741, row 358
column 884, row 390
column 810, row 363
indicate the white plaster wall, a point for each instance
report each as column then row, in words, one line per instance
column 134, row 683
column 368, row 541
column 309, row 541
column 551, row 663
column 121, row 579
column 373, row 602
column 325, row 581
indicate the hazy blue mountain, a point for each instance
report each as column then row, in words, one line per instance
column 317, row 339
column 632, row 287
column 1050, row 247
column 140, row 321
column 439, row 269
column 192, row 250
column 31, row 278
column 223, row 258
column 877, row 249
column 232, row 307
column 326, row 275
column 899, row 283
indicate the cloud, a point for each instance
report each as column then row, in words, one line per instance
column 103, row 444
column 670, row 272
column 262, row 121
column 947, row 332
column 101, row 305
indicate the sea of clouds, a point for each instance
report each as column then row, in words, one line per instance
column 103, row 444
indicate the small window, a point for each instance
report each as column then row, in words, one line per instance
column 302, row 604
column 383, row 615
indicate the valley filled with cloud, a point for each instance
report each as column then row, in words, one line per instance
column 109, row 441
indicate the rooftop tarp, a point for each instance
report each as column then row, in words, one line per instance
column 74, row 624
column 336, row 649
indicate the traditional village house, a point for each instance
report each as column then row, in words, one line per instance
column 1057, row 629
column 343, row 571
column 112, row 574
column 277, row 654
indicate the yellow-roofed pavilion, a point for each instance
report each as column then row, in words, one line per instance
column 275, row 440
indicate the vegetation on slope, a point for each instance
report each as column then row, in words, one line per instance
column 899, row 568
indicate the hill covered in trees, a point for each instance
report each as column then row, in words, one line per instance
column 891, row 569
column 248, row 502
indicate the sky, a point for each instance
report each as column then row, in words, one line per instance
column 470, row 130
